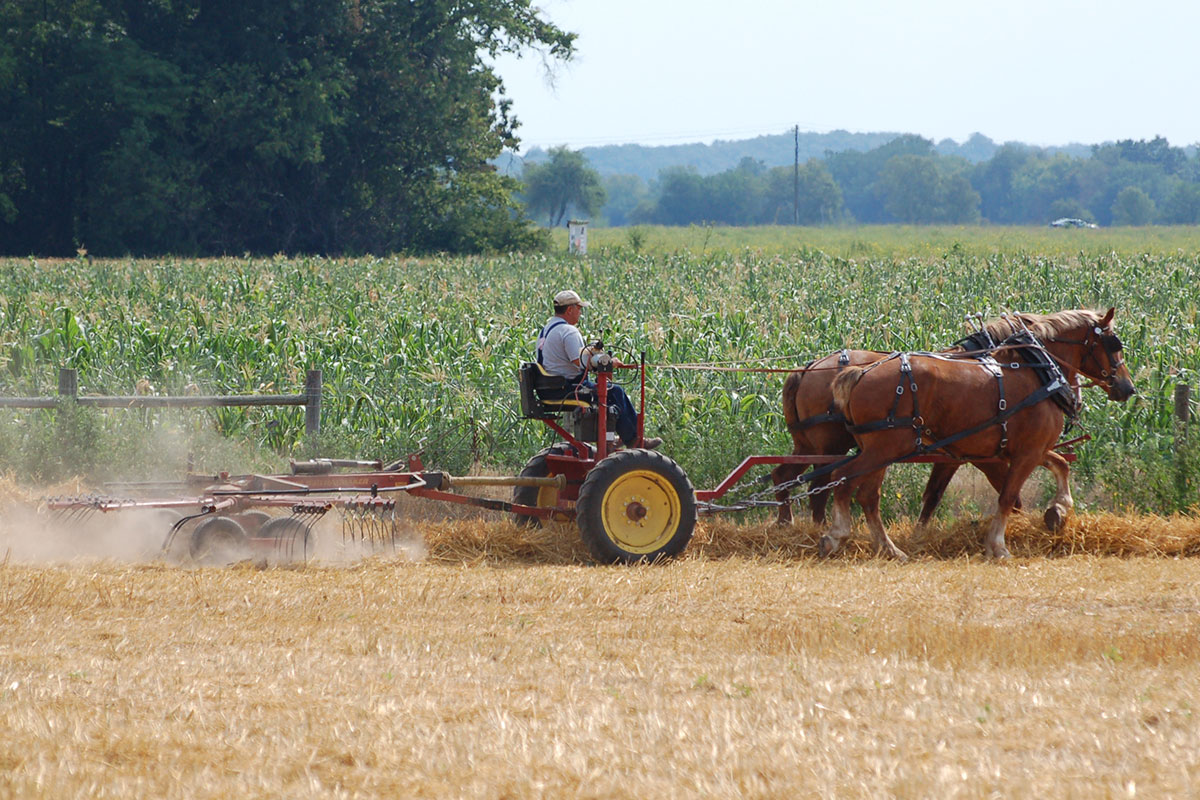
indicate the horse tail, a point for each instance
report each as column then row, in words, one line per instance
column 843, row 384
column 791, row 385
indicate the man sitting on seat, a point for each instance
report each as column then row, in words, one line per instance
column 560, row 351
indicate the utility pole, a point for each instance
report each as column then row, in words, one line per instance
column 796, row 182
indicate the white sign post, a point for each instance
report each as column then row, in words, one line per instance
column 577, row 237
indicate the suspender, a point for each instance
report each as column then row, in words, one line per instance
column 546, row 332
column 542, row 340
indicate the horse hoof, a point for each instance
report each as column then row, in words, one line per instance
column 826, row 546
column 1054, row 519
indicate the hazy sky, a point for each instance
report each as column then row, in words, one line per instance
column 1045, row 72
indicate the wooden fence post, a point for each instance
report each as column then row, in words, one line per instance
column 68, row 383
column 1184, row 497
column 312, row 408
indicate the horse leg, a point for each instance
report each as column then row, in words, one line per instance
column 839, row 528
column 868, row 499
column 1060, row 508
column 818, row 502
column 1018, row 472
column 846, row 480
column 782, row 474
column 935, row 489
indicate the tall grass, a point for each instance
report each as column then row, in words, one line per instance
column 416, row 349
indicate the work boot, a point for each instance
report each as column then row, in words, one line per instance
column 651, row 442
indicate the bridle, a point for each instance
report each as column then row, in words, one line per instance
column 1113, row 349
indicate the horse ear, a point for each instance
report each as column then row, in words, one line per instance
column 1108, row 317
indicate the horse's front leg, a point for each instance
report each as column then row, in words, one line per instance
column 868, row 498
column 1019, row 470
column 1062, row 505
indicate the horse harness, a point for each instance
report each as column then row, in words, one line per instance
column 1113, row 348
column 1053, row 385
column 832, row 414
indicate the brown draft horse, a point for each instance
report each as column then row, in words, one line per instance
column 816, row 429
column 969, row 410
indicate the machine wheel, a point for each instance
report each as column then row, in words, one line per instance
column 292, row 537
column 219, row 541
column 251, row 521
column 636, row 505
column 538, row 496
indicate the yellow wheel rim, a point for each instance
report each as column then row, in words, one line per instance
column 641, row 511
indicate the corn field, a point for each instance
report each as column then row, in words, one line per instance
column 427, row 349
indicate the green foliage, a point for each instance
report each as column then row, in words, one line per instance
column 910, row 181
column 1183, row 204
column 563, row 183
column 747, row 195
column 261, row 126
column 1132, row 207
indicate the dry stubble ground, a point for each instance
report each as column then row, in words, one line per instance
column 499, row 665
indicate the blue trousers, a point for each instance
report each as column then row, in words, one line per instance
column 626, row 413
column 617, row 400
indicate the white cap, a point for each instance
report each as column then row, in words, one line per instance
column 569, row 298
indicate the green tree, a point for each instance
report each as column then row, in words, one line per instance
column 623, row 193
column 1183, row 204
column 1132, row 207
column 263, row 125
column 681, row 197
column 564, row 182
column 908, row 185
column 857, row 174
column 820, row 199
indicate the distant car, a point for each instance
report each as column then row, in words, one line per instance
column 1071, row 222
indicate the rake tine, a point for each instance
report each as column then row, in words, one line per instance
column 347, row 523
column 307, row 535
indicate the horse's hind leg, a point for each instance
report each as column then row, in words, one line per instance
column 1062, row 505
column 864, row 472
column 782, row 474
column 868, row 498
column 818, row 502
column 935, row 489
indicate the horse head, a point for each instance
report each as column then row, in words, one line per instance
column 1099, row 352
column 1104, row 360
column 1082, row 339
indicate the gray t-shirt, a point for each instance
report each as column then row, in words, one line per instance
column 560, row 347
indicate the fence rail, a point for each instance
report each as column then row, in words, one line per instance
column 68, row 392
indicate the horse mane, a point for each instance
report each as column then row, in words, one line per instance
column 1044, row 326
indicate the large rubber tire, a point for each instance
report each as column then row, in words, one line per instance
column 536, row 496
column 294, row 541
column 636, row 505
column 219, row 541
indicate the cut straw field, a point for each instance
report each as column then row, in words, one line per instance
column 499, row 676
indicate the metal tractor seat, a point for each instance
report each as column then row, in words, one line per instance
column 533, row 379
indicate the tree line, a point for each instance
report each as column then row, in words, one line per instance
column 906, row 180
column 214, row 126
